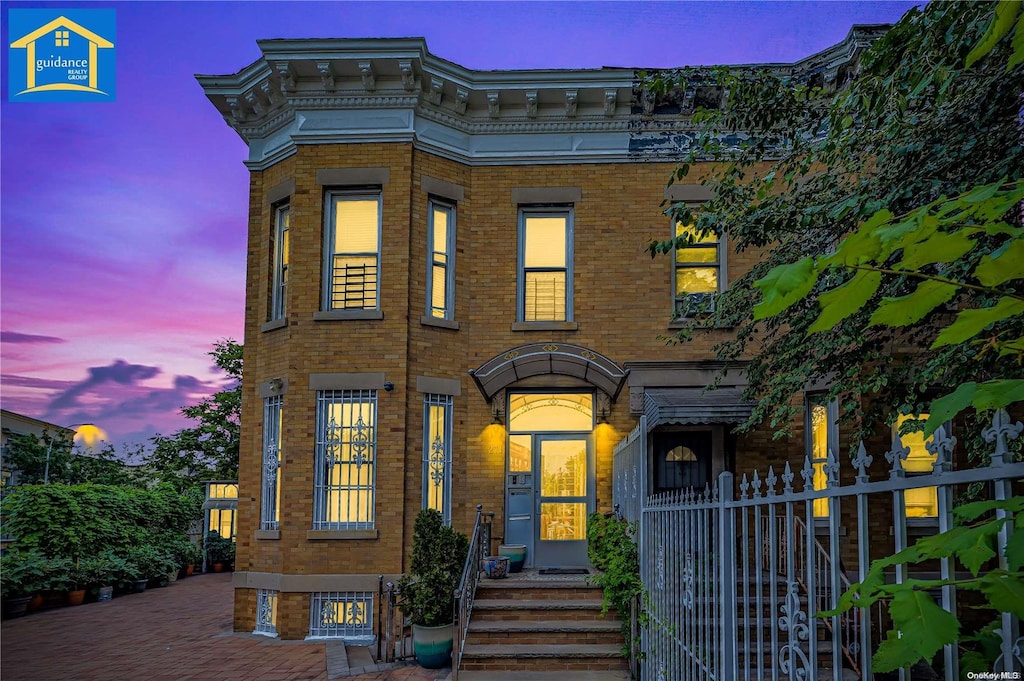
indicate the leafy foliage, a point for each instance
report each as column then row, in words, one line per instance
column 82, row 521
column 438, row 556
column 23, row 572
column 611, row 548
column 887, row 217
column 208, row 450
column 26, row 453
column 923, row 626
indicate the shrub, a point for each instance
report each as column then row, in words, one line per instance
column 612, row 550
column 23, row 573
column 438, row 556
column 219, row 549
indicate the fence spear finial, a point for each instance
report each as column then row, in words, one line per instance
column 862, row 461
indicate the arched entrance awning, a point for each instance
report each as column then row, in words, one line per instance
column 537, row 359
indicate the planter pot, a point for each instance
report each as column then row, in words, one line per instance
column 189, row 570
column 516, row 554
column 218, row 567
column 496, row 567
column 158, row 582
column 433, row 645
column 105, row 594
column 16, row 607
column 35, row 602
column 139, row 585
column 76, row 597
column 172, row 576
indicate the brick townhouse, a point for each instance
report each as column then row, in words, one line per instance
column 449, row 303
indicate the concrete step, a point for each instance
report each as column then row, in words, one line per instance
column 535, row 632
column 580, row 657
column 491, row 609
column 561, row 675
column 530, row 590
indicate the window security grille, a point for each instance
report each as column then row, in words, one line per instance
column 437, row 454
column 347, row 615
column 346, row 452
column 271, row 488
column 266, row 612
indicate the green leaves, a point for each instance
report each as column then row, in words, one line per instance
column 924, row 628
column 1006, row 13
column 1002, row 265
column 1004, row 591
column 843, row 301
column 913, row 307
column 994, row 394
column 970, row 323
column 785, row 285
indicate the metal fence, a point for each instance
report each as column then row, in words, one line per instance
column 733, row 581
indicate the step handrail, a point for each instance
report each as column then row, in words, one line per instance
column 479, row 545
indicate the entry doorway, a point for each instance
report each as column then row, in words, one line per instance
column 550, row 480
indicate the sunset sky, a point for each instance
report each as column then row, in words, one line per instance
column 122, row 225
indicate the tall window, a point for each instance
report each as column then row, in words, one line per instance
column 437, row 454
column 921, row 502
column 346, row 454
column 282, row 221
column 352, row 251
column 271, row 488
column 822, row 419
column 545, row 272
column 441, row 280
column 698, row 269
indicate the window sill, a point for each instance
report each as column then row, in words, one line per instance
column 268, row 534
column 821, row 527
column 335, row 315
column 545, row 326
column 689, row 323
column 274, row 324
column 318, row 535
column 426, row 320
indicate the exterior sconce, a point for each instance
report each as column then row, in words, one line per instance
column 497, row 412
column 604, row 408
column 602, row 414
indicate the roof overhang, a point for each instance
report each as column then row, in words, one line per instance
column 537, row 359
column 695, row 406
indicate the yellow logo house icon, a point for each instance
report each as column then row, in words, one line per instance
column 57, row 34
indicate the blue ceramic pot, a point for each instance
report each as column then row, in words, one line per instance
column 496, row 567
column 516, row 554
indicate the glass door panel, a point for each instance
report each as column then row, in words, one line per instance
column 563, row 499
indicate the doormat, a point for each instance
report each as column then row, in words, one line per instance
column 565, row 571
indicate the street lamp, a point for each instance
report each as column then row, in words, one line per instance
column 46, row 470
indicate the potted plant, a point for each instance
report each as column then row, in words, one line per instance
column 146, row 563
column 57, row 581
column 428, row 592
column 193, row 557
column 78, row 579
column 23, row 573
column 101, row 573
column 219, row 551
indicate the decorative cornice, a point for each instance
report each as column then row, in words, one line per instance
column 405, row 92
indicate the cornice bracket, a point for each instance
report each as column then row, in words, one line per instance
column 493, row 105
column 531, row 104
column 610, row 97
column 570, row 103
column 436, row 93
column 461, row 99
column 326, row 76
column 286, row 76
column 408, row 77
column 366, row 71
column 254, row 102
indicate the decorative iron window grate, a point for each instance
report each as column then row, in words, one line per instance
column 347, row 615
column 266, row 612
column 346, row 452
column 271, row 487
column 354, row 281
column 437, row 454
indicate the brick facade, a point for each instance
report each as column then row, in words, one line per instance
column 491, row 154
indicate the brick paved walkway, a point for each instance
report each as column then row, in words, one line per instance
column 178, row 633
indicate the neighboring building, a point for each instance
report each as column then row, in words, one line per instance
column 449, row 303
column 12, row 423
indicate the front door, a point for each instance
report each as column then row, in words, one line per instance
column 563, row 489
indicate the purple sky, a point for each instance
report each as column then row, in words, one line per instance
column 122, row 225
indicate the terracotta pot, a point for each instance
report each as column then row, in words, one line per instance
column 189, row 570
column 218, row 567
column 35, row 602
column 76, row 597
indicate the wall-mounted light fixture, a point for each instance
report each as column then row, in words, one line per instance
column 497, row 411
